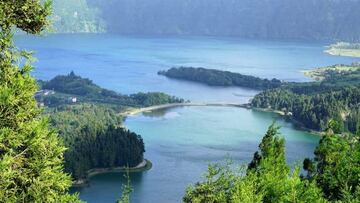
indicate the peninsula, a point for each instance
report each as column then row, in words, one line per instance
column 344, row 49
column 213, row 77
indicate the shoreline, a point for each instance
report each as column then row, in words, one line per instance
column 298, row 125
column 145, row 165
column 134, row 111
column 354, row 53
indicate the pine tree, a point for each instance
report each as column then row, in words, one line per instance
column 31, row 155
column 268, row 179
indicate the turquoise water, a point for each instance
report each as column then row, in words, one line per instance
column 130, row 64
column 182, row 141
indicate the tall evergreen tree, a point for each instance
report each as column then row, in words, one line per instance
column 31, row 155
column 267, row 179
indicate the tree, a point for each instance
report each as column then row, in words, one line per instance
column 336, row 167
column 126, row 190
column 267, row 179
column 266, row 147
column 31, row 155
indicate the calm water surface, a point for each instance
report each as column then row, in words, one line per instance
column 182, row 141
column 130, row 64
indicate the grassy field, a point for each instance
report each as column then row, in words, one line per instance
column 320, row 73
column 345, row 73
column 344, row 49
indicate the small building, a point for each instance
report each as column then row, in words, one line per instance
column 44, row 93
column 73, row 99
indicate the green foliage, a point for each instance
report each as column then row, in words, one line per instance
column 27, row 15
column 339, row 74
column 268, row 179
column 95, row 139
column 336, row 97
column 336, row 167
column 335, row 126
column 73, row 84
column 76, row 16
column 153, row 98
column 314, row 105
column 126, row 191
column 216, row 188
column 31, row 155
column 91, row 127
column 269, row 143
column 220, row 78
column 68, row 86
column 333, row 175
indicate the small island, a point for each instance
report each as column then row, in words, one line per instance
column 213, row 77
column 344, row 49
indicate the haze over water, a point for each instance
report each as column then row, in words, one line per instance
column 182, row 141
column 130, row 64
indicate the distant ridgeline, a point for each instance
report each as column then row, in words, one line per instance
column 220, row 78
column 260, row 19
column 335, row 95
column 87, row 118
column 264, row 19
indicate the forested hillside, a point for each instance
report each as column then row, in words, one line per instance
column 335, row 96
column 87, row 118
column 291, row 19
column 95, row 139
column 74, row 16
column 215, row 77
column 64, row 88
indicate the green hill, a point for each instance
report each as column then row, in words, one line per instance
column 76, row 16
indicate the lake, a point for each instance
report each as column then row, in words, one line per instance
column 130, row 64
column 181, row 142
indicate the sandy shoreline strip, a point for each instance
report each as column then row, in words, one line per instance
column 134, row 111
column 145, row 165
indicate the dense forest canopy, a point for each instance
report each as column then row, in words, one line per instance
column 88, row 120
column 63, row 88
column 336, row 95
column 31, row 154
column 95, row 139
column 215, row 77
column 271, row 19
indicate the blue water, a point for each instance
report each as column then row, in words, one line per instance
column 130, row 64
column 182, row 141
